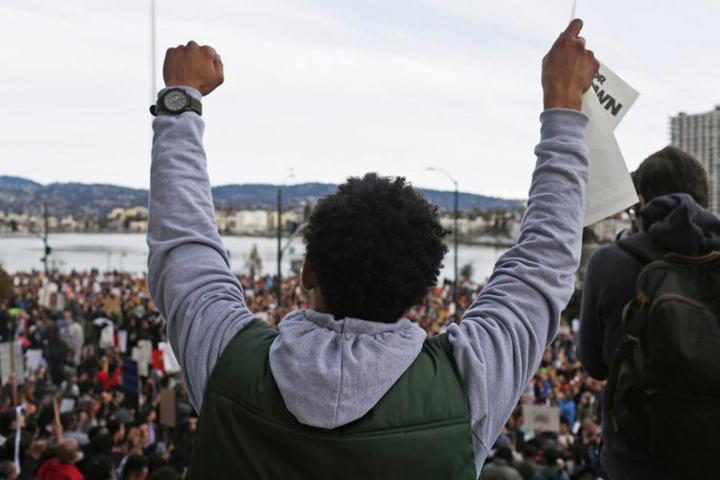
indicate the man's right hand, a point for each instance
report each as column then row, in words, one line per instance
column 193, row 66
column 568, row 70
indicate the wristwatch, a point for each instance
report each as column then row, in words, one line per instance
column 176, row 101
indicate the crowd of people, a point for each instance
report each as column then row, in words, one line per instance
column 70, row 415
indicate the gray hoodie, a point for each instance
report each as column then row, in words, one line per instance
column 331, row 372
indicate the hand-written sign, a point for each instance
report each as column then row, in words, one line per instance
column 540, row 417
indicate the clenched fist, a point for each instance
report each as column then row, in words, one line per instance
column 568, row 70
column 193, row 66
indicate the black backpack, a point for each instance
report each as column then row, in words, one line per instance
column 663, row 391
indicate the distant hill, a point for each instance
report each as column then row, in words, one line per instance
column 20, row 195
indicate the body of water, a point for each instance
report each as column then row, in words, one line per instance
column 128, row 252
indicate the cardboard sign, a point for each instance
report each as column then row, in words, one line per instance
column 610, row 188
column 12, row 360
column 540, row 417
column 167, row 408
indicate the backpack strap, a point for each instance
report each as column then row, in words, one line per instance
column 642, row 246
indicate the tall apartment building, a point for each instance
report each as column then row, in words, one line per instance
column 700, row 135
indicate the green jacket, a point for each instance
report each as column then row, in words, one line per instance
column 419, row 430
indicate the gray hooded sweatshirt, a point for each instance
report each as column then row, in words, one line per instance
column 333, row 371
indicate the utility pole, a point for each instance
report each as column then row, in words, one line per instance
column 455, row 231
column 153, row 53
column 279, row 245
column 291, row 174
column 456, row 214
column 48, row 250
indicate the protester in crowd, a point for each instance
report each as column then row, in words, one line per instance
column 63, row 466
column 501, row 466
column 373, row 249
column 111, row 440
column 528, row 466
column 554, row 468
column 7, row 470
column 673, row 190
column 135, row 468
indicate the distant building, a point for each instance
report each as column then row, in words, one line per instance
column 700, row 135
column 606, row 230
column 251, row 222
column 466, row 226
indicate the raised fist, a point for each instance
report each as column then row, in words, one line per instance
column 568, row 69
column 193, row 66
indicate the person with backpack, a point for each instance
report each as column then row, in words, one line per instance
column 650, row 326
column 349, row 388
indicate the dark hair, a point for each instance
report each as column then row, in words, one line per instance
column 134, row 465
column 672, row 170
column 6, row 468
column 164, row 473
column 100, row 468
column 530, row 450
column 102, row 444
column 505, row 453
column 551, row 454
column 375, row 247
column 68, row 420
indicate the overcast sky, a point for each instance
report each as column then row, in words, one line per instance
column 335, row 88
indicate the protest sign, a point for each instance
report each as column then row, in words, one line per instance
column 610, row 188
column 107, row 337
column 540, row 417
column 171, row 363
column 67, row 405
column 131, row 383
column 12, row 360
column 142, row 367
column 157, row 360
column 33, row 359
column 122, row 340
column 614, row 95
column 167, row 408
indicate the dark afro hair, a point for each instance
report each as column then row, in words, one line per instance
column 375, row 247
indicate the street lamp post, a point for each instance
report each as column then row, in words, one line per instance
column 455, row 238
column 279, row 236
column 279, row 244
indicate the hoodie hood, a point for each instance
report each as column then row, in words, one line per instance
column 679, row 223
column 332, row 372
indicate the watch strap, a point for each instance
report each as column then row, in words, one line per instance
column 194, row 105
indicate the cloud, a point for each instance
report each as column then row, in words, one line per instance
column 333, row 88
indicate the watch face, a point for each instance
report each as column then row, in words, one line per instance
column 175, row 100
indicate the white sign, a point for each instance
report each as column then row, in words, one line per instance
column 122, row 340
column 144, row 357
column 614, row 95
column 107, row 337
column 12, row 358
column 169, row 359
column 137, row 355
column 540, row 417
column 610, row 188
column 34, row 357
column 67, row 405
